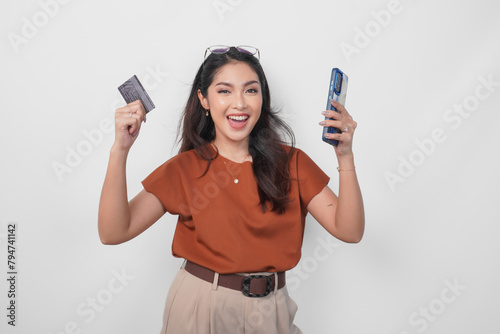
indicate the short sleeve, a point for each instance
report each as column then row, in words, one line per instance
column 311, row 178
column 167, row 184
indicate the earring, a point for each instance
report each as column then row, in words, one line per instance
column 206, row 114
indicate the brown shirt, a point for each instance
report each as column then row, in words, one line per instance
column 221, row 225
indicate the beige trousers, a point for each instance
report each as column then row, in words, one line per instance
column 195, row 306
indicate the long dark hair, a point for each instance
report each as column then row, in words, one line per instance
column 267, row 144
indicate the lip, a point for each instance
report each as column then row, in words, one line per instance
column 235, row 124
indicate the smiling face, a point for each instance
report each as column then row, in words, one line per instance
column 234, row 99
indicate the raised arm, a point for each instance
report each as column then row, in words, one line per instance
column 120, row 220
column 341, row 216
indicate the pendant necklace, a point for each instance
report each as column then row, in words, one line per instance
column 235, row 179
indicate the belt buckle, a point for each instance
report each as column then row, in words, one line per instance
column 246, row 285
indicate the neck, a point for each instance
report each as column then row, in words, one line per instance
column 236, row 151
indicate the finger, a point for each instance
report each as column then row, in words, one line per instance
column 124, row 117
column 130, row 122
column 126, row 114
column 126, row 123
column 335, row 136
column 141, row 110
column 346, row 119
column 340, row 108
column 333, row 124
column 133, row 108
column 135, row 126
column 344, row 137
column 139, row 117
column 331, row 114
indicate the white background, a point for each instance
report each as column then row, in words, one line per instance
column 435, row 225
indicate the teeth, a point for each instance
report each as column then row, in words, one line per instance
column 238, row 118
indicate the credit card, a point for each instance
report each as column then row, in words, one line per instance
column 132, row 90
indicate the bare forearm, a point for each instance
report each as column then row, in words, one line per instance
column 114, row 212
column 346, row 220
column 350, row 217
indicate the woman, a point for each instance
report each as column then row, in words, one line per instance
column 241, row 194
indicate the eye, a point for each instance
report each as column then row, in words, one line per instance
column 252, row 90
column 223, row 91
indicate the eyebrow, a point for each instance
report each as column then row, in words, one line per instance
column 248, row 83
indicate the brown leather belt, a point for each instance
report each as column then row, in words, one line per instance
column 250, row 285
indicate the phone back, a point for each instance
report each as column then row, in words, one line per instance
column 336, row 91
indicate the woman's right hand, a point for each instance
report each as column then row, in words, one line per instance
column 119, row 220
column 128, row 121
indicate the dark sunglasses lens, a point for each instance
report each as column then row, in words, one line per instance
column 248, row 52
column 245, row 51
column 219, row 50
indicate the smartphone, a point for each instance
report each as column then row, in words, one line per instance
column 336, row 91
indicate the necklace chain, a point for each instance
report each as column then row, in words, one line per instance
column 236, row 181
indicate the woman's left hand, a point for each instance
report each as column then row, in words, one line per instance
column 341, row 120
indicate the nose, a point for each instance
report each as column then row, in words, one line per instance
column 239, row 102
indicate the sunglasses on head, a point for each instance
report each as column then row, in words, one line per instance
column 221, row 49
